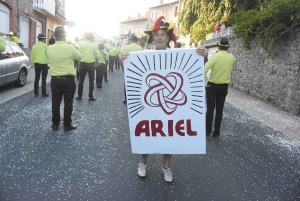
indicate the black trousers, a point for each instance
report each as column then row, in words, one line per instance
column 112, row 60
column 40, row 68
column 63, row 86
column 76, row 68
column 101, row 71
column 90, row 69
column 215, row 99
column 117, row 63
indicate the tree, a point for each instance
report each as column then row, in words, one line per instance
column 198, row 17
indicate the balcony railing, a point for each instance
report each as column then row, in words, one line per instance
column 219, row 34
column 60, row 12
column 46, row 7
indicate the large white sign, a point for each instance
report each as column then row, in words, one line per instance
column 166, row 101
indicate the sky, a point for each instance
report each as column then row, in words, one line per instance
column 103, row 16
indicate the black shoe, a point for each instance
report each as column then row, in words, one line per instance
column 106, row 80
column 208, row 136
column 79, row 98
column 215, row 136
column 69, row 127
column 55, row 127
column 36, row 95
column 92, row 98
column 45, row 95
column 99, row 86
column 112, row 71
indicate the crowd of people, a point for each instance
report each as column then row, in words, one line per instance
column 65, row 59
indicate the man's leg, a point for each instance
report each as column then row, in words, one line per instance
column 101, row 73
column 220, row 102
column 91, row 73
column 44, row 77
column 210, row 103
column 37, row 70
column 57, row 93
column 105, row 73
column 70, row 88
column 142, row 172
column 98, row 76
column 82, row 73
column 168, row 175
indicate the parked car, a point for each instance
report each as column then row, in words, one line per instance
column 14, row 65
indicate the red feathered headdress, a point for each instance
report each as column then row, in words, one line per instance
column 160, row 23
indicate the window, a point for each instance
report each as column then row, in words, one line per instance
column 176, row 11
column 153, row 17
column 163, row 13
column 8, row 53
column 17, row 50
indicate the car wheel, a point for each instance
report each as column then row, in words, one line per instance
column 22, row 78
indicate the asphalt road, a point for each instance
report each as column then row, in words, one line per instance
column 252, row 161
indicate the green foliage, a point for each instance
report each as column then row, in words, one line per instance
column 198, row 17
column 270, row 24
column 143, row 39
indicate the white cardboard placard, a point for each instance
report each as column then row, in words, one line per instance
column 165, row 92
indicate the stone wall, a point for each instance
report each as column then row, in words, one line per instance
column 274, row 78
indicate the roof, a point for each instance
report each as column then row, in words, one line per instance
column 134, row 19
column 163, row 4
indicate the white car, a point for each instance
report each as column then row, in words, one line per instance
column 14, row 65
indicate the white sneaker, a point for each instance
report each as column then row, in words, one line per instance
column 168, row 175
column 142, row 170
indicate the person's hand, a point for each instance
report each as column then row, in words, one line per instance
column 201, row 50
column 123, row 55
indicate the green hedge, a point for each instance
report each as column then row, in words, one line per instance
column 270, row 24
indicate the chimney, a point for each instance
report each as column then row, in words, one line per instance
column 161, row 1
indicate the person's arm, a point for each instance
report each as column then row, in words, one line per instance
column 201, row 50
column 32, row 54
column 122, row 56
column 76, row 54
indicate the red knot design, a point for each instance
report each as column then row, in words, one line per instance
column 165, row 92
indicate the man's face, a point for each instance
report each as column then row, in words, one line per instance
column 160, row 39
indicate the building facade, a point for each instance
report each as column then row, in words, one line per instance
column 28, row 18
column 139, row 24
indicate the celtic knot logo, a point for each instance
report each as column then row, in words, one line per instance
column 165, row 92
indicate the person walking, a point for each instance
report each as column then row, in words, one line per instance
column 113, row 53
column 15, row 38
column 221, row 65
column 61, row 56
column 132, row 47
column 39, row 58
column 101, row 69
column 88, row 52
column 52, row 40
column 161, row 34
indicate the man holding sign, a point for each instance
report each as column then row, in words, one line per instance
column 154, row 135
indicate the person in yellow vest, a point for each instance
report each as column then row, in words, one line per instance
column 113, row 53
column 77, row 45
column 15, row 38
column 161, row 34
column 40, row 60
column 221, row 65
column 101, row 69
column 88, row 52
column 2, row 43
column 109, row 47
column 61, row 56
column 132, row 47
